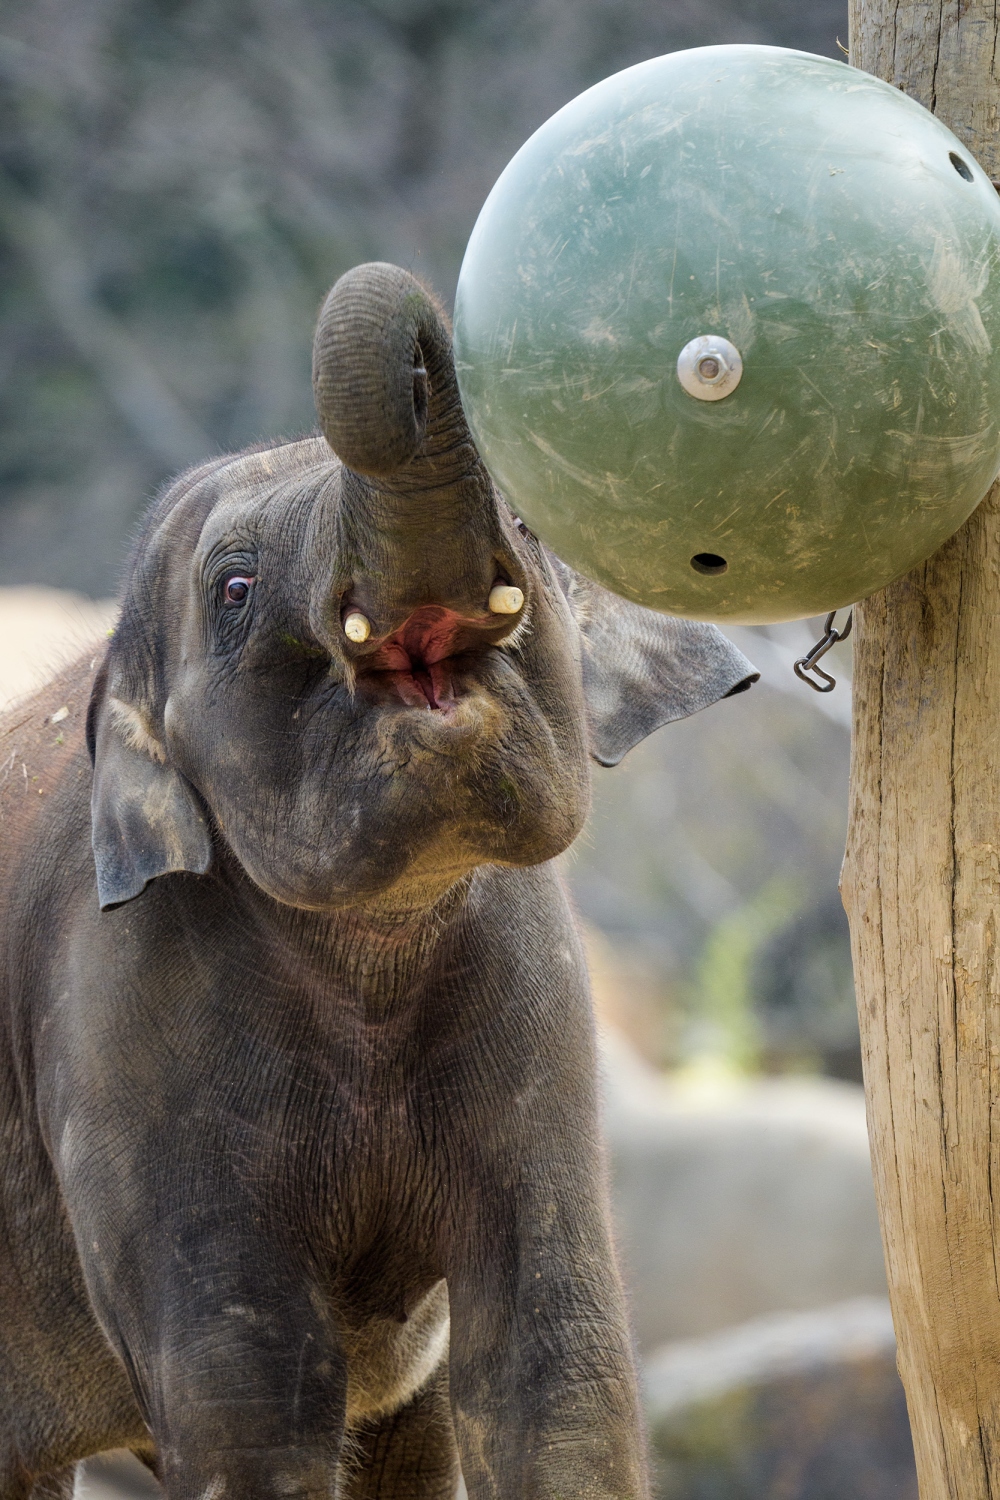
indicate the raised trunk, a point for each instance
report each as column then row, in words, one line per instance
column 921, row 878
column 384, row 382
column 419, row 520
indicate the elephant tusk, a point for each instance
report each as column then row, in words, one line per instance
column 505, row 599
column 357, row 627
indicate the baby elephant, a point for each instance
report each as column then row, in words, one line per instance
column 301, row 1187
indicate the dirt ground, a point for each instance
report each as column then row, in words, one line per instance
column 40, row 629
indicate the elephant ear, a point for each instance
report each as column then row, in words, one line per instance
column 146, row 819
column 642, row 670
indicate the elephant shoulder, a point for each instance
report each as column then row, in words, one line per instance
column 44, row 766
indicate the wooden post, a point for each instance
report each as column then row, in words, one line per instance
column 921, row 878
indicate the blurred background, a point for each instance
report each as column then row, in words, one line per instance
column 180, row 183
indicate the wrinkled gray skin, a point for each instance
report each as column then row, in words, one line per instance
column 322, row 1067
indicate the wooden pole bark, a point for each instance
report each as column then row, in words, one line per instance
column 921, row 878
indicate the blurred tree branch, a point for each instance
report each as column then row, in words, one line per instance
column 131, row 383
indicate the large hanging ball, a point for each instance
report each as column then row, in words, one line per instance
column 728, row 333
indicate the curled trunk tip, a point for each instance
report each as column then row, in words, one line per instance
column 381, row 350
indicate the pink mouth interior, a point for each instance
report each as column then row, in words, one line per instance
column 417, row 657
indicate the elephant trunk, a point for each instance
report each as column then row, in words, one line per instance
column 418, row 520
column 384, row 382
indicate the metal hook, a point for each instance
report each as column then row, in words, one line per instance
column 808, row 663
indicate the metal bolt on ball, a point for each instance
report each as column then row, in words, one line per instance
column 709, row 367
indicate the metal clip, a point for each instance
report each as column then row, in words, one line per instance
column 808, row 663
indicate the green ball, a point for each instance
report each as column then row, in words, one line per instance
column 816, row 227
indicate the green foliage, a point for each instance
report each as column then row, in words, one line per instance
column 722, row 1002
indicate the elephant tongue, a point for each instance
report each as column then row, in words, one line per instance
column 416, row 655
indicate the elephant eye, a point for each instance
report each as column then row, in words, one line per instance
column 237, row 589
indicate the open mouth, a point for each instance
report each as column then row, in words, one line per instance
column 418, row 662
column 426, row 686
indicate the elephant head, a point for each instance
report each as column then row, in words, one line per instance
column 345, row 669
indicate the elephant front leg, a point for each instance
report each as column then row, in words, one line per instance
column 250, row 1411
column 544, row 1388
column 238, row 1446
column 236, row 1364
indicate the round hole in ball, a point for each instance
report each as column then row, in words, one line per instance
column 709, row 562
column 961, row 167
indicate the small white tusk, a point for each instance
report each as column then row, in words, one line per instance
column 505, row 599
column 357, row 627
